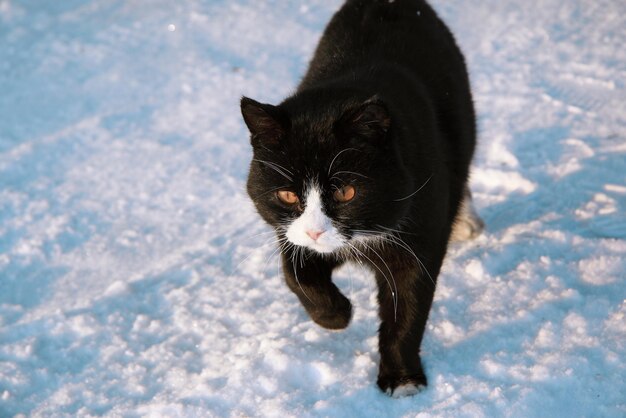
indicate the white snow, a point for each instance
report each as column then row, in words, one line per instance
column 137, row 280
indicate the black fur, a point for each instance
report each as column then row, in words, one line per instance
column 388, row 85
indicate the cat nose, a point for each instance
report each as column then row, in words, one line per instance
column 314, row 234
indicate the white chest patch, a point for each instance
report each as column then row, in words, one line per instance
column 313, row 229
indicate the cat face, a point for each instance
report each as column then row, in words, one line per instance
column 324, row 176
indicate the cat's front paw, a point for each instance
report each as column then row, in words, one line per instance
column 399, row 387
column 336, row 316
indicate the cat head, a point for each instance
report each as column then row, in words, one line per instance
column 325, row 172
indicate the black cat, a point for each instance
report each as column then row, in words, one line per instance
column 368, row 161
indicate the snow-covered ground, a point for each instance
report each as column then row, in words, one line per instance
column 137, row 280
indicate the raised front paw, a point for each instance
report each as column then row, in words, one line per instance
column 401, row 386
column 332, row 316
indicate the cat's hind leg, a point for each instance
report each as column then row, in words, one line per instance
column 467, row 224
column 310, row 279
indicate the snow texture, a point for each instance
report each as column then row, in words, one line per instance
column 137, row 280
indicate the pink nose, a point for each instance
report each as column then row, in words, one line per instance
column 314, row 234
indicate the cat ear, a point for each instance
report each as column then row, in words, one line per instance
column 266, row 123
column 370, row 120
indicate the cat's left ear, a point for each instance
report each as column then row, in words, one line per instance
column 267, row 123
column 370, row 120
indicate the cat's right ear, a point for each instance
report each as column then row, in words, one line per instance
column 370, row 121
column 267, row 124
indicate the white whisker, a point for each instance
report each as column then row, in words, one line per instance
column 272, row 255
column 394, row 230
column 415, row 192
column 401, row 243
column 338, row 154
column 248, row 238
column 394, row 291
column 276, row 167
column 302, row 259
column 405, row 246
column 252, row 253
column 391, row 288
column 295, row 272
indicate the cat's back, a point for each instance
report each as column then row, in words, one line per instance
column 401, row 52
column 369, row 33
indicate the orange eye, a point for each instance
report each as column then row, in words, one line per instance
column 287, row 197
column 344, row 194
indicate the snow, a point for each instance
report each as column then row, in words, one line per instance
column 137, row 280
